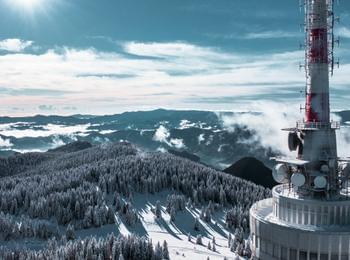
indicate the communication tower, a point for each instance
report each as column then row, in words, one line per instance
column 308, row 216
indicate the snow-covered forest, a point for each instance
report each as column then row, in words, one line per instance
column 58, row 199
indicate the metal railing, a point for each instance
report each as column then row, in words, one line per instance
column 302, row 125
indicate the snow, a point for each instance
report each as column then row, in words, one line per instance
column 159, row 229
column 175, row 233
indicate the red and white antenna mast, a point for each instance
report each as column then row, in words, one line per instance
column 319, row 58
column 315, row 170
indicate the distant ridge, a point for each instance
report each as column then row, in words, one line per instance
column 251, row 169
column 72, row 147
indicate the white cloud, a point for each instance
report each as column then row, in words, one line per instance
column 267, row 124
column 14, row 45
column 201, row 138
column 277, row 34
column 5, row 143
column 184, row 124
column 271, row 35
column 162, row 135
column 177, row 143
column 47, row 130
column 99, row 82
column 343, row 32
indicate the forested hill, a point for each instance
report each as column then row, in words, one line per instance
column 70, row 195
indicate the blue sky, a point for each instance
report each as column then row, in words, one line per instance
column 98, row 57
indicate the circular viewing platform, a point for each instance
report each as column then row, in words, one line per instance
column 292, row 228
column 294, row 209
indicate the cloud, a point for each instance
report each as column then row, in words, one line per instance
column 162, row 135
column 179, row 74
column 14, row 45
column 262, row 35
column 343, row 32
column 267, row 124
column 177, row 143
column 45, row 131
column 32, row 92
column 5, row 143
column 271, row 35
column 72, row 108
column 47, row 107
column 201, row 138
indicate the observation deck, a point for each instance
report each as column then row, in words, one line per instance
column 293, row 227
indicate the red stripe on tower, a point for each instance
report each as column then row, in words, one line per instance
column 319, row 46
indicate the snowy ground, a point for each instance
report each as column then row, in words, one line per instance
column 175, row 233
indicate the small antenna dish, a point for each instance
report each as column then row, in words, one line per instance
column 346, row 171
column 298, row 179
column 324, row 168
column 293, row 141
column 320, row 182
column 280, row 173
column 332, row 163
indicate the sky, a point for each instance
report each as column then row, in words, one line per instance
column 109, row 56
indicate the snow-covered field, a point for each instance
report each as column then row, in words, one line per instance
column 176, row 233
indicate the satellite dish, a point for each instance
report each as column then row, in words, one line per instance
column 320, row 182
column 280, row 173
column 331, row 163
column 293, row 141
column 324, row 168
column 298, row 179
column 346, row 171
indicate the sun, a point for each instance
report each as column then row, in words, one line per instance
column 28, row 4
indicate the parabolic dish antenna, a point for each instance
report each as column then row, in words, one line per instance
column 280, row 173
column 298, row 179
column 320, row 182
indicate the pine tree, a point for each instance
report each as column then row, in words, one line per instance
column 172, row 214
column 199, row 240
column 70, row 234
column 158, row 210
column 196, row 224
column 158, row 252
column 222, row 196
column 165, row 250
column 110, row 216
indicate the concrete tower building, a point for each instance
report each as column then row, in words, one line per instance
column 308, row 217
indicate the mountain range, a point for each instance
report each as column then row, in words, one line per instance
column 116, row 200
column 200, row 133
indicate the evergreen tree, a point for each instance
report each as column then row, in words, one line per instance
column 70, row 234
column 158, row 252
column 172, row 214
column 165, row 250
column 199, row 240
column 209, row 245
column 158, row 210
column 196, row 225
